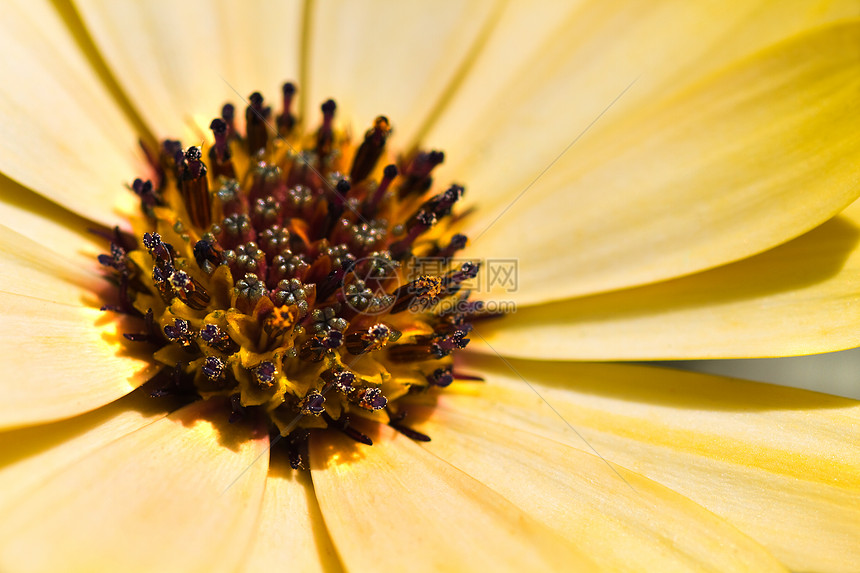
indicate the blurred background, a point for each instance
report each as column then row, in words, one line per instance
column 835, row 373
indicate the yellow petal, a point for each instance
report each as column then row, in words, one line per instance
column 66, row 360
column 179, row 63
column 779, row 464
column 623, row 521
column 743, row 161
column 799, row 298
column 515, row 44
column 170, row 496
column 29, row 456
column 393, row 503
column 290, row 529
column 550, row 68
column 63, row 136
column 394, row 59
column 48, row 224
column 27, row 268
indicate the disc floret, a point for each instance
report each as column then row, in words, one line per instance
column 283, row 274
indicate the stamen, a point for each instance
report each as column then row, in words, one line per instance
column 255, row 118
column 388, row 175
column 418, row 178
column 287, row 121
column 228, row 114
column 213, row 368
column 194, row 187
column 370, row 150
column 268, row 291
column 395, row 422
column 342, row 424
column 325, row 134
column 220, row 157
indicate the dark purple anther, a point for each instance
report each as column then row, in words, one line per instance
column 228, row 114
column 418, row 178
column 312, row 404
column 445, row 345
column 179, row 331
column 441, row 204
column 205, row 252
column 467, row 271
column 457, row 243
column 171, row 155
column 336, row 202
column 286, row 121
column 341, row 380
column 217, row 338
column 395, row 421
column 194, row 187
column 441, row 377
column 265, row 373
column 159, row 250
column 255, row 124
column 149, row 198
column 325, row 135
column 213, row 368
column 116, row 260
column 372, row 205
column 220, row 158
column 371, row 399
column 370, row 150
column 332, row 339
column 420, row 224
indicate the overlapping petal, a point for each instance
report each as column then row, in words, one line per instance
column 51, row 226
column 799, row 298
column 590, row 503
column 290, row 528
column 652, row 199
column 549, row 69
column 67, row 360
column 397, row 501
column 779, row 464
column 29, row 456
column 179, row 63
column 406, row 57
column 180, row 494
column 739, row 163
column 63, row 136
column 67, row 353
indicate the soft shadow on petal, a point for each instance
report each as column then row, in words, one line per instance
column 396, row 59
column 799, row 298
column 48, row 224
column 28, row 268
column 623, row 521
column 29, row 456
column 394, row 503
column 290, row 529
column 179, row 63
column 779, row 464
column 172, row 496
column 832, row 373
column 749, row 158
column 66, row 360
column 63, row 136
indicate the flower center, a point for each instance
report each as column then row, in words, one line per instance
column 284, row 273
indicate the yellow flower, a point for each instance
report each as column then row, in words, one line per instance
column 676, row 227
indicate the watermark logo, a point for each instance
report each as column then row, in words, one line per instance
column 372, row 283
column 368, row 283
